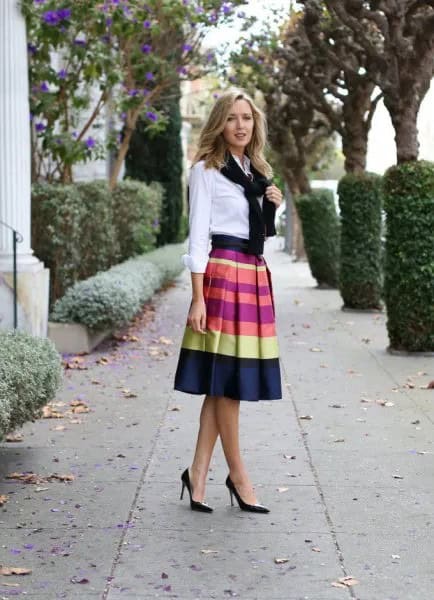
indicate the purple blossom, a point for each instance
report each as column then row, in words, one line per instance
column 149, row 76
column 75, row 134
column 181, row 71
column 31, row 48
column 39, row 1
column 40, row 127
column 187, row 48
column 186, row 2
column 199, row 10
column 90, row 142
column 210, row 56
column 51, row 17
column 152, row 116
column 64, row 13
column 146, row 48
column 146, row 24
column 133, row 92
column 241, row 14
column 227, row 8
column 62, row 74
column 44, row 87
column 123, row 116
column 79, row 42
column 109, row 22
column 31, row 117
column 212, row 18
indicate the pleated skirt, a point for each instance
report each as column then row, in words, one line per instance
column 238, row 357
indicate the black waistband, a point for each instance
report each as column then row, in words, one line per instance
column 229, row 242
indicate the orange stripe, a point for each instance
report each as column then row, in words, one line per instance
column 240, row 275
column 237, row 297
column 241, row 328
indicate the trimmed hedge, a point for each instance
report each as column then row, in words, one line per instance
column 321, row 232
column 409, row 278
column 111, row 299
column 80, row 229
column 30, row 375
column 360, row 277
column 136, row 215
column 99, row 244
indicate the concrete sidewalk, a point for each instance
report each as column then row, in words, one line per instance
column 344, row 461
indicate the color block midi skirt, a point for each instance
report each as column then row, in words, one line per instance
column 238, row 356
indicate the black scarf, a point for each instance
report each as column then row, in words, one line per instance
column 261, row 222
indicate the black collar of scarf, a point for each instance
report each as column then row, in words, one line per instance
column 261, row 221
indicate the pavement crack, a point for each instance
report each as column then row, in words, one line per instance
column 331, row 525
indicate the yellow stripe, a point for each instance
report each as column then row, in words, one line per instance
column 242, row 346
column 233, row 263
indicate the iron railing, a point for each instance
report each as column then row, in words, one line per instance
column 17, row 238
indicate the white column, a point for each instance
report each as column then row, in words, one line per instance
column 14, row 135
column 15, row 181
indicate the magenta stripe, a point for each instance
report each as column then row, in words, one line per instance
column 240, row 257
column 231, row 286
column 230, row 311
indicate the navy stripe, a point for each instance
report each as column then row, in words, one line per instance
column 238, row 378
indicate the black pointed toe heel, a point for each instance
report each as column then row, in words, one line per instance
column 257, row 508
column 194, row 504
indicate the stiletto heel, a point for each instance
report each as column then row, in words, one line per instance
column 257, row 508
column 194, row 504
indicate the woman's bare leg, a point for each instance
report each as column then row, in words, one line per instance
column 227, row 417
column 206, row 439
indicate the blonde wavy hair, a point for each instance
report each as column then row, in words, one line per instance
column 212, row 147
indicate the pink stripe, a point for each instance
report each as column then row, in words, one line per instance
column 230, row 311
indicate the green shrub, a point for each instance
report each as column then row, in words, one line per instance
column 56, row 223
column 166, row 259
column 73, row 231
column 320, row 224
column 112, row 298
column 136, row 210
column 99, row 244
column 409, row 277
column 360, row 277
column 30, row 375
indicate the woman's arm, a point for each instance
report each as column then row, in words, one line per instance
column 197, row 313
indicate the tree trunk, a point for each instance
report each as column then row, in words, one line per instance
column 117, row 164
column 404, row 119
column 298, row 183
column 356, row 111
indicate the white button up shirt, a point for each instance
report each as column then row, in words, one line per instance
column 216, row 205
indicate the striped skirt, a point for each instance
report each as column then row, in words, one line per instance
column 238, row 356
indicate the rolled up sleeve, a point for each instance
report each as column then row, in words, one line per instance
column 200, row 200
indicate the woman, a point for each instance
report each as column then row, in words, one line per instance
column 229, row 351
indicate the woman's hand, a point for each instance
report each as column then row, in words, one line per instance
column 197, row 316
column 273, row 194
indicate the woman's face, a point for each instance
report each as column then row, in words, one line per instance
column 239, row 127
